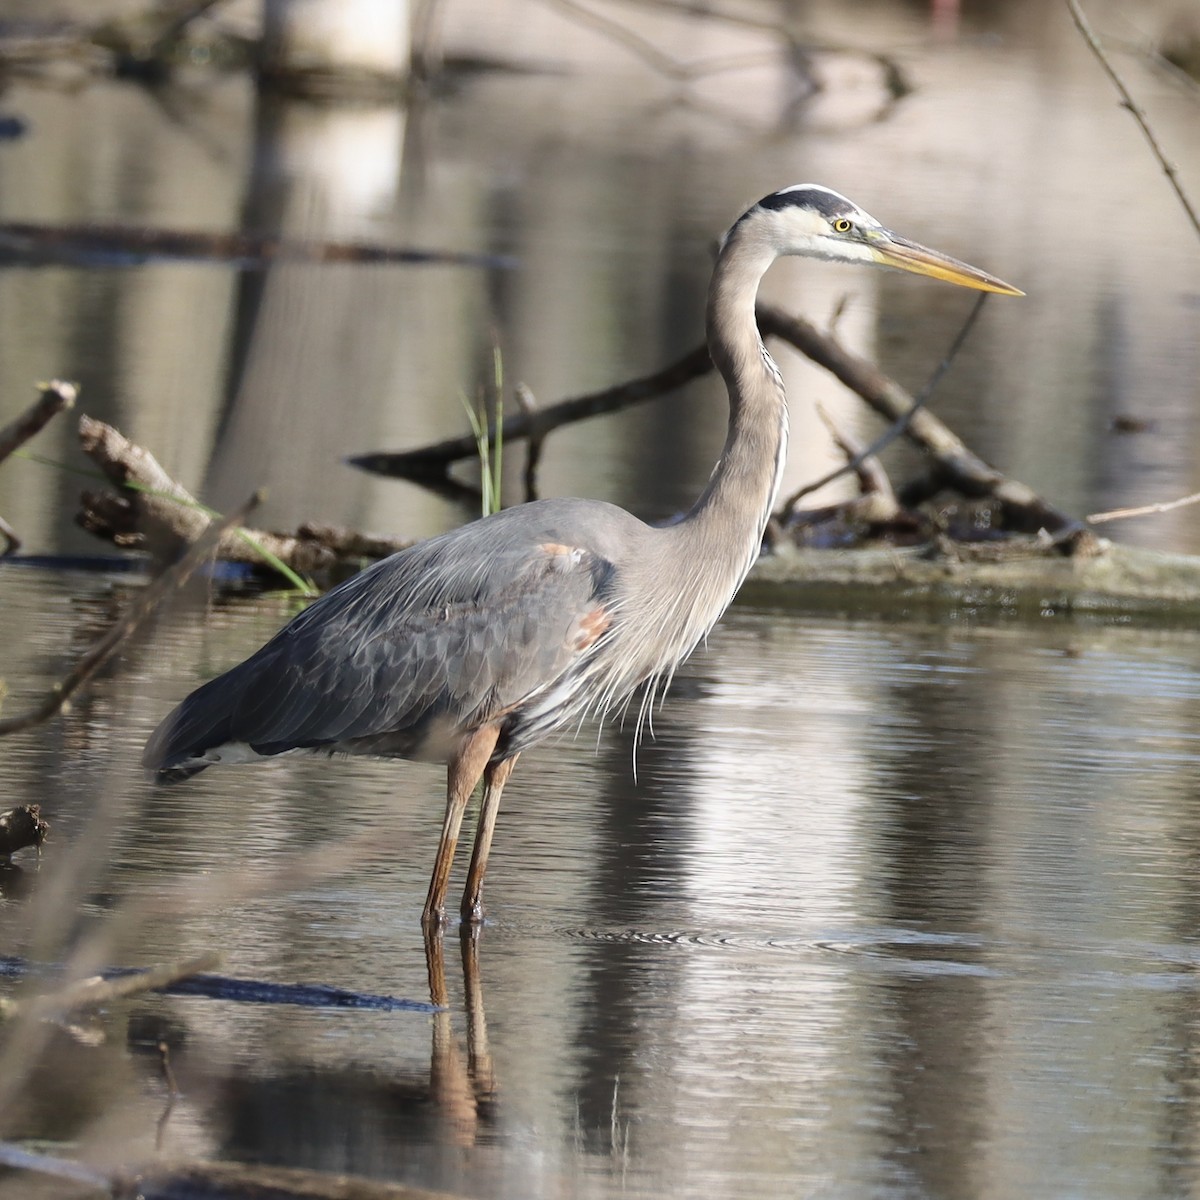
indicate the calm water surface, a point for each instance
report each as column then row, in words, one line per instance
column 890, row 910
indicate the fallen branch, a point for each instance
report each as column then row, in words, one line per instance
column 433, row 461
column 21, row 827
column 146, row 603
column 898, row 426
column 55, row 397
column 152, row 512
column 123, row 245
column 954, row 464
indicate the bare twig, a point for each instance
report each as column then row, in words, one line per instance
column 902, row 422
column 1127, row 101
column 1142, row 510
column 646, row 51
column 789, row 31
column 872, row 478
column 55, row 397
column 146, row 603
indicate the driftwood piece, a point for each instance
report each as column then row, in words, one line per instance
column 20, row 827
column 152, row 512
column 55, row 397
column 1017, row 578
column 952, row 462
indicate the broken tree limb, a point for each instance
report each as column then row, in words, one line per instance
column 1030, row 573
column 898, row 427
column 433, row 461
column 133, row 618
column 121, row 245
column 874, row 485
column 20, row 827
column 954, row 464
column 56, row 396
column 151, row 511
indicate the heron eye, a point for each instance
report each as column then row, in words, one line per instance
column 843, row 225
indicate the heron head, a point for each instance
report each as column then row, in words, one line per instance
column 815, row 222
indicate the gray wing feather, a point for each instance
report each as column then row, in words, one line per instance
column 451, row 627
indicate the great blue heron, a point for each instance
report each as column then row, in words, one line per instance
column 476, row 644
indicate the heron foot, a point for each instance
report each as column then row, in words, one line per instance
column 433, row 920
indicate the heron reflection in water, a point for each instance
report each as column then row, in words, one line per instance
column 473, row 646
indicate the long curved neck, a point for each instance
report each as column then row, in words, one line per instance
column 706, row 556
column 728, row 520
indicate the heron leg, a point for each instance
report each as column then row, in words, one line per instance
column 462, row 774
column 495, row 777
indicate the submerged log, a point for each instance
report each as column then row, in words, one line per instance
column 1015, row 575
column 1020, row 578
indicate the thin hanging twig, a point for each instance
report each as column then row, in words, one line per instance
column 873, row 480
column 902, row 423
column 1127, row 101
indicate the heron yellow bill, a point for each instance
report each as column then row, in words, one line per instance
column 892, row 250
